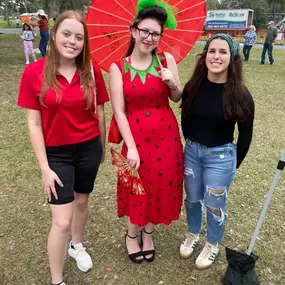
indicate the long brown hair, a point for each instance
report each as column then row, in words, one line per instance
column 82, row 61
column 235, row 95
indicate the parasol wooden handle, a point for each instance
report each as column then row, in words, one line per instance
column 160, row 65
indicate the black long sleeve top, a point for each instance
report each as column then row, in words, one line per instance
column 205, row 122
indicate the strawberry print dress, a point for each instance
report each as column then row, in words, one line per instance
column 156, row 134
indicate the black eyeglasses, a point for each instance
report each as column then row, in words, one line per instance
column 144, row 34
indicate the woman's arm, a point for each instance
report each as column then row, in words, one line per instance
column 118, row 104
column 37, row 139
column 245, row 130
column 102, row 127
column 34, row 23
column 172, row 78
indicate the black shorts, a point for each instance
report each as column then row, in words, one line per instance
column 76, row 166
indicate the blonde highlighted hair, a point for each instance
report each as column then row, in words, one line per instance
column 83, row 61
column 252, row 27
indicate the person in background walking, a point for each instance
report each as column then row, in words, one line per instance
column 44, row 31
column 28, row 37
column 17, row 22
column 271, row 35
column 250, row 39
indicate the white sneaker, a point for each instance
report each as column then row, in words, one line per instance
column 83, row 259
column 188, row 246
column 27, row 62
column 207, row 257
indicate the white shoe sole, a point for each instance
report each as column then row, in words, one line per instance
column 201, row 268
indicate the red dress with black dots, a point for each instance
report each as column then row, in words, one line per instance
column 156, row 134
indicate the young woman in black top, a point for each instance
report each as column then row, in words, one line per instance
column 214, row 100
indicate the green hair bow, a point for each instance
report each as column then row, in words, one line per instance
column 170, row 23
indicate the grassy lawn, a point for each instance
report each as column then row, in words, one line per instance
column 3, row 24
column 25, row 217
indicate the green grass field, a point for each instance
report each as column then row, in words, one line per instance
column 3, row 24
column 25, row 217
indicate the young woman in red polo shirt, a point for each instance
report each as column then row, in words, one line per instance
column 67, row 131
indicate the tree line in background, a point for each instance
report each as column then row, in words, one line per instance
column 55, row 7
column 51, row 7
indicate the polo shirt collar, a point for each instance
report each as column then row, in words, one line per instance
column 75, row 78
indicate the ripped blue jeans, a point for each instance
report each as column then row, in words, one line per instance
column 208, row 174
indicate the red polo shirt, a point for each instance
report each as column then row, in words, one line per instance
column 66, row 121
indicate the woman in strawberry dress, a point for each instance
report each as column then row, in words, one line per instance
column 140, row 86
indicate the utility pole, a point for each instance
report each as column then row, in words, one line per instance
column 26, row 6
column 7, row 13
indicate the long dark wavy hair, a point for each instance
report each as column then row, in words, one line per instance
column 154, row 12
column 235, row 95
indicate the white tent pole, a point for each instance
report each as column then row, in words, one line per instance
column 280, row 167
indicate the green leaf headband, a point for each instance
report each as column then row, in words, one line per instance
column 233, row 44
column 170, row 23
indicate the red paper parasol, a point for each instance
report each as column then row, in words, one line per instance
column 126, row 174
column 108, row 24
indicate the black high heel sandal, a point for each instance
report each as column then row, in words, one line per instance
column 147, row 252
column 133, row 257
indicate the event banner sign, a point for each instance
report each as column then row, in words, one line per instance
column 227, row 19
